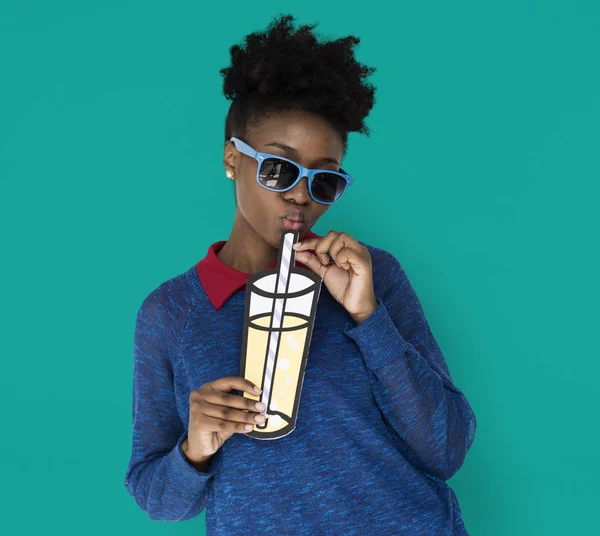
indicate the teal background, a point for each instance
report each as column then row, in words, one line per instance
column 485, row 140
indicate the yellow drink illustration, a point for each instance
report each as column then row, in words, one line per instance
column 288, row 376
column 277, row 333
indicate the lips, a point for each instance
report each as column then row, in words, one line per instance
column 294, row 215
column 288, row 224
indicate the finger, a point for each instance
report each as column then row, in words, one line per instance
column 310, row 244
column 235, row 383
column 227, row 413
column 312, row 262
column 319, row 245
column 342, row 241
column 350, row 241
column 324, row 245
column 352, row 259
column 214, row 424
column 232, row 400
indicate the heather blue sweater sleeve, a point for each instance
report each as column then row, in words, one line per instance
column 159, row 477
column 430, row 419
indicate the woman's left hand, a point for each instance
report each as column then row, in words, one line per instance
column 350, row 278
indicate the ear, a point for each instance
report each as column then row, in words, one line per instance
column 230, row 156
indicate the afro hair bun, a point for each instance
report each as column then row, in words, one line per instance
column 282, row 68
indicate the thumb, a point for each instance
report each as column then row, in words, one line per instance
column 311, row 261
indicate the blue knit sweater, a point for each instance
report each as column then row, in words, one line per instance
column 380, row 425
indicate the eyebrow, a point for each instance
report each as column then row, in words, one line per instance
column 295, row 152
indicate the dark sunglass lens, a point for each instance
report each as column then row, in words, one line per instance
column 327, row 187
column 277, row 174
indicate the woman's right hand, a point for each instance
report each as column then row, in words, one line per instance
column 216, row 414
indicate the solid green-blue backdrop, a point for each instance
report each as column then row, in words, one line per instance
column 481, row 175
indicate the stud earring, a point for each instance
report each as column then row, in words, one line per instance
column 230, row 174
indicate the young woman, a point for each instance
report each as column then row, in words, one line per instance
column 380, row 425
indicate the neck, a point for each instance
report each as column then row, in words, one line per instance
column 246, row 250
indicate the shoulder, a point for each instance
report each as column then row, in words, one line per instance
column 168, row 304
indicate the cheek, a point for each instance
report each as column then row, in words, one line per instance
column 322, row 210
column 248, row 192
column 257, row 204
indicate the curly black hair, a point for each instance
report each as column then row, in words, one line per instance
column 283, row 69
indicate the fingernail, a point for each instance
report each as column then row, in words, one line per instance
column 257, row 390
column 296, row 245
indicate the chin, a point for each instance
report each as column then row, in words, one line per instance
column 278, row 231
column 276, row 242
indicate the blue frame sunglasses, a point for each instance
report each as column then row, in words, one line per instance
column 279, row 174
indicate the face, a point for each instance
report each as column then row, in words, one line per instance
column 312, row 142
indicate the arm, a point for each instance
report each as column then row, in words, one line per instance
column 430, row 419
column 159, row 477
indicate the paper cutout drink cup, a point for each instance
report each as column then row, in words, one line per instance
column 279, row 317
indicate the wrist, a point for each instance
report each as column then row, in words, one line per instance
column 193, row 458
column 359, row 318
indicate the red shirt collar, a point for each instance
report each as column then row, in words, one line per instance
column 219, row 280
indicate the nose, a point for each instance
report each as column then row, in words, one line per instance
column 299, row 193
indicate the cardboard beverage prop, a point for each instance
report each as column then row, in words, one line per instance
column 281, row 305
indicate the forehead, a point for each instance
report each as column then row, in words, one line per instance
column 309, row 134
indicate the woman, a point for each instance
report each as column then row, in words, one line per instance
column 380, row 425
